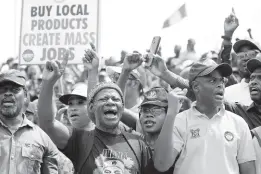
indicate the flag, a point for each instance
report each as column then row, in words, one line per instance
column 176, row 17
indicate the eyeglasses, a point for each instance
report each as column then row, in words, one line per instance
column 249, row 54
column 153, row 111
column 12, row 89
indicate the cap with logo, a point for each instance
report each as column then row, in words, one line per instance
column 246, row 42
column 14, row 76
column 200, row 69
column 79, row 90
column 255, row 63
column 156, row 96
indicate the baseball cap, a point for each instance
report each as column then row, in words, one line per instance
column 78, row 90
column 14, row 76
column 246, row 42
column 200, row 69
column 156, row 96
column 255, row 63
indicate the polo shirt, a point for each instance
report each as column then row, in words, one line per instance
column 215, row 145
column 238, row 93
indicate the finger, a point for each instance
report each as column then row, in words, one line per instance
column 185, row 90
column 93, row 46
column 49, row 66
column 236, row 21
column 55, row 67
column 233, row 11
column 65, row 59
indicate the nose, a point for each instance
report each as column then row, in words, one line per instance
column 253, row 83
column 110, row 102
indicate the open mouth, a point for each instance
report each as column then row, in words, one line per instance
column 253, row 90
column 110, row 114
column 149, row 123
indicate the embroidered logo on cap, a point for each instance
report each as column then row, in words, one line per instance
column 229, row 136
column 151, row 95
column 195, row 133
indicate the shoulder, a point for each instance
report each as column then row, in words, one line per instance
column 236, row 118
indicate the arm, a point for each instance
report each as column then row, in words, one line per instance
column 51, row 158
column 58, row 132
column 258, row 155
column 123, row 79
column 130, row 118
column 169, row 143
column 159, row 68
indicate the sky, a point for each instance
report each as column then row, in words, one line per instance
column 131, row 24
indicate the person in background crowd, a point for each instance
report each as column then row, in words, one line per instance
column 31, row 112
column 77, row 107
column 245, row 50
column 103, row 76
column 25, row 148
column 206, row 138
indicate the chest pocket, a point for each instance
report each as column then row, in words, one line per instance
column 33, row 156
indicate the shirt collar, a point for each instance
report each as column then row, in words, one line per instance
column 195, row 112
column 25, row 122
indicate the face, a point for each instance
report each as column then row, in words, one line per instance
column 77, row 112
column 12, row 100
column 245, row 53
column 210, row 89
column 255, row 86
column 107, row 108
column 152, row 118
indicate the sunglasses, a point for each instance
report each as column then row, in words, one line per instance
column 153, row 111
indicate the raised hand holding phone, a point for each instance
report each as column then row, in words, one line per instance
column 153, row 50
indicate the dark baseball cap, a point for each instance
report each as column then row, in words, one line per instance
column 156, row 96
column 14, row 76
column 78, row 90
column 246, row 42
column 254, row 63
column 200, row 69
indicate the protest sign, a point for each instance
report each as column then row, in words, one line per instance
column 49, row 27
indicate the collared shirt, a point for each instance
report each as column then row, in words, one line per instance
column 249, row 113
column 215, row 145
column 28, row 150
column 238, row 93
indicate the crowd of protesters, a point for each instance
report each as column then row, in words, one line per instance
column 190, row 114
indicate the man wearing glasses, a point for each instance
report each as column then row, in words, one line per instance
column 245, row 50
column 205, row 138
column 24, row 147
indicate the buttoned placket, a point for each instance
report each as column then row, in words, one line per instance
column 12, row 165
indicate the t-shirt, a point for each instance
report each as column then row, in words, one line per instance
column 109, row 153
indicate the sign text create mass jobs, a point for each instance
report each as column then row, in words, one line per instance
column 50, row 27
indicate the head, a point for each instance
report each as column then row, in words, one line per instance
column 13, row 94
column 106, row 104
column 177, row 49
column 254, row 67
column 207, row 80
column 31, row 112
column 77, row 106
column 191, row 45
column 34, row 72
column 153, row 110
column 245, row 50
column 103, row 76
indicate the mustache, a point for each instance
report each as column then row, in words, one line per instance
column 8, row 99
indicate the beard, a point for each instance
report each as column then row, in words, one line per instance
column 10, row 112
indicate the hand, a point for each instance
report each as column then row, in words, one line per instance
column 176, row 98
column 54, row 70
column 132, row 61
column 158, row 65
column 231, row 23
column 91, row 59
column 60, row 113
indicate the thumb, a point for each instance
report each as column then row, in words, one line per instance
column 185, row 91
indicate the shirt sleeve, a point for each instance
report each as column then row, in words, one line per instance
column 246, row 151
column 179, row 132
column 50, row 158
column 258, row 155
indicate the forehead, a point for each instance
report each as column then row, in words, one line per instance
column 245, row 48
column 257, row 72
column 107, row 92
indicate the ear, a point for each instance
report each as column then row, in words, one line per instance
column 91, row 107
column 195, row 86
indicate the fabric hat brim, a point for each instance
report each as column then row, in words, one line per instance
column 253, row 64
column 16, row 80
column 157, row 103
column 224, row 69
column 241, row 43
column 65, row 98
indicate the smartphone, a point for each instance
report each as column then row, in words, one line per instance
column 153, row 49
